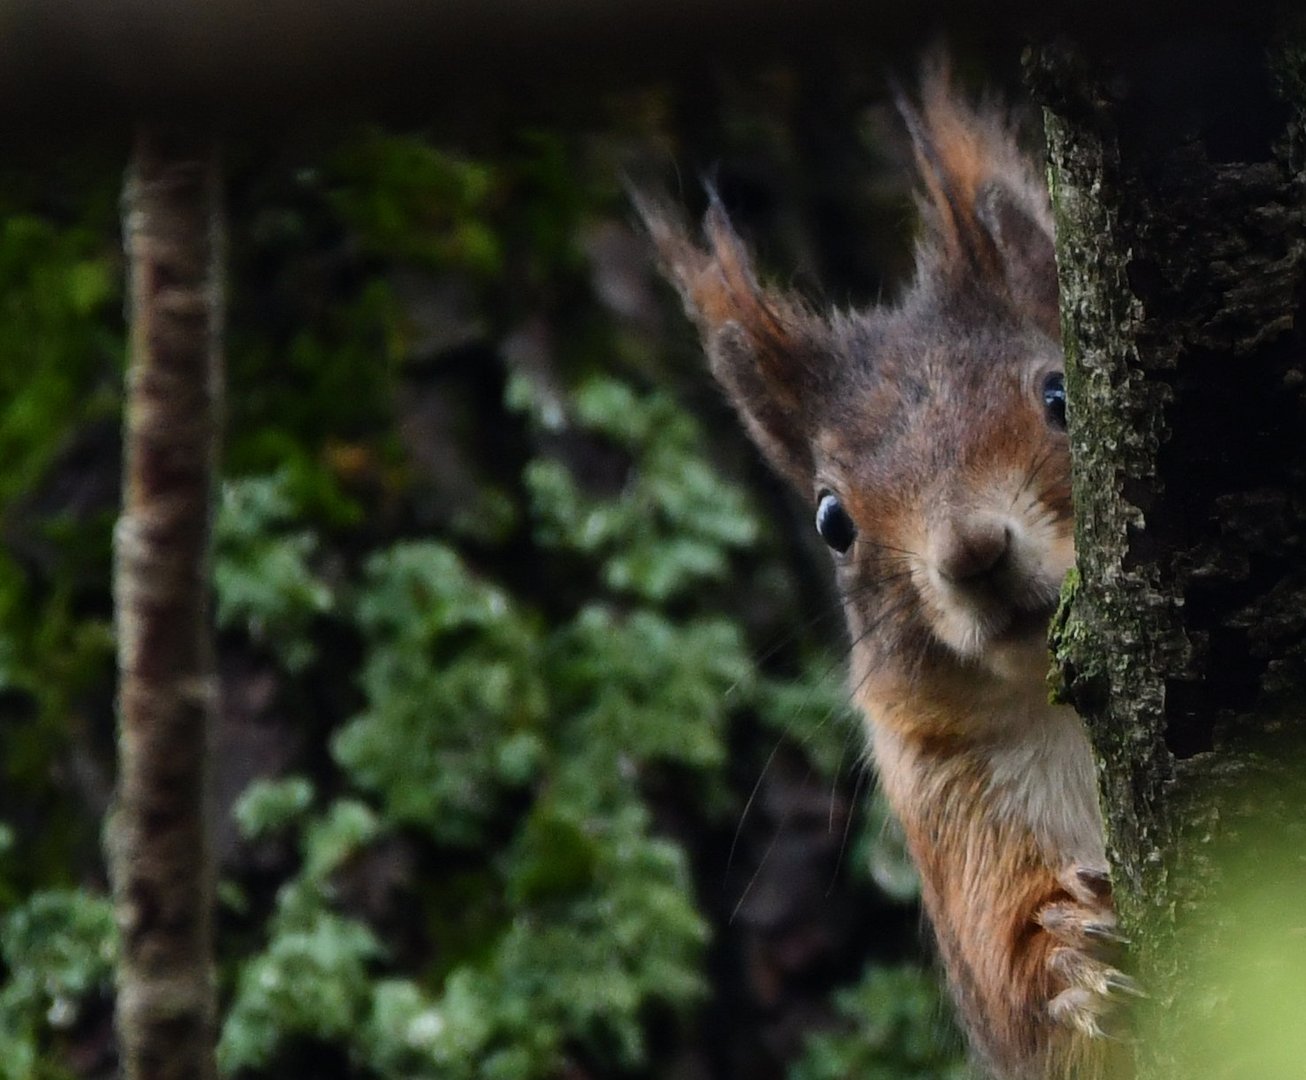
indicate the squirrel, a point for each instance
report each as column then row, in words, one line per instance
column 930, row 437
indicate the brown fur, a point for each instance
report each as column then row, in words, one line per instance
column 989, row 890
column 926, row 421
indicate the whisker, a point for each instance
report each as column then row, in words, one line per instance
column 792, row 635
column 1034, row 470
column 788, row 638
column 811, row 732
column 854, row 802
column 867, row 586
column 895, row 610
column 748, row 805
column 843, row 657
column 859, row 539
column 1045, row 495
column 890, row 612
column 834, row 780
column 806, row 737
column 761, row 864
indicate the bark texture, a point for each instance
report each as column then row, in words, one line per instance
column 1177, row 185
column 158, row 836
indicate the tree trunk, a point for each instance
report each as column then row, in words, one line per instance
column 1177, row 186
column 158, row 836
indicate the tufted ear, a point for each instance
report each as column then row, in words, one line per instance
column 764, row 347
column 988, row 224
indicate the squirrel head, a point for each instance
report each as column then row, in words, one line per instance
column 928, row 435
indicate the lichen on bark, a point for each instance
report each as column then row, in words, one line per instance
column 1181, row 250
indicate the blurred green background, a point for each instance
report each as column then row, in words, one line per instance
column 534, row 756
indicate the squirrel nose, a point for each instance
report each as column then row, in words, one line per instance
column 965, row 551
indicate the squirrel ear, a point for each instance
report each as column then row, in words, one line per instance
column 762, row 345
column 988, row 221
column 1027, row 253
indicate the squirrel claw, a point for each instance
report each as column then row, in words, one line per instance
column 1075, row 925
column 1125, row 984
column 1089, row 885
column 1082, row 926
column 1105, row 931
column 1079, row 1008
column 1089, row 1002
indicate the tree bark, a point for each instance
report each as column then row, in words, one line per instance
column 1178, row 192
column 158, row 836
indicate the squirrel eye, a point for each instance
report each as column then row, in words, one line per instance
column 1054, row 399
column 834, row 524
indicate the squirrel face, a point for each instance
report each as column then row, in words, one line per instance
column 942, row 487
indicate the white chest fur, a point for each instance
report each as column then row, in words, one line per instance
column 1042, row 774
column 1038, row 768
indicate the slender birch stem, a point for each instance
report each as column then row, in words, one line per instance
column 158, row 836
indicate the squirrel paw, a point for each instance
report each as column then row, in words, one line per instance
column 1087, row 944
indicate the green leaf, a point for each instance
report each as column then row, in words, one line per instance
column 555, row 859
column 263, row 572
column 893, row 1031
column 269, row 805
